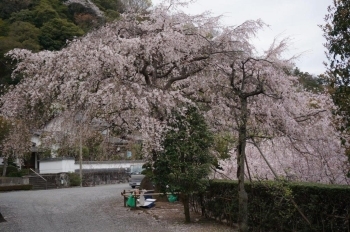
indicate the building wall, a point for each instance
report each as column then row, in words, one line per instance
column 109, row 165
column 59, row 165
column 68, row 165
column 53, row 166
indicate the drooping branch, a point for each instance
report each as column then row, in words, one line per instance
column 277, row 178
column 306, row 117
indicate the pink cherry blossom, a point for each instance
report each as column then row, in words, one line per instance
column 131, row 73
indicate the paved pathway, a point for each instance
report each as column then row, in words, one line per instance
column 78, row 209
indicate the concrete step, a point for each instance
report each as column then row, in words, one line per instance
column 39, row 183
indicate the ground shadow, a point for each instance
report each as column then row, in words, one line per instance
column 2, row 219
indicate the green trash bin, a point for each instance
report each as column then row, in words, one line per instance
column 172, row 198
column 131, row 201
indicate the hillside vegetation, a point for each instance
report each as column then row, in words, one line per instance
column 48, row 24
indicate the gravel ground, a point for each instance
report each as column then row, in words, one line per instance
column 172, row 214
column 97, row 208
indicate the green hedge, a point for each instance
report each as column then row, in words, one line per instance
column 16, row 187
column 270, row 205
column 74, row 179
column 12, row 171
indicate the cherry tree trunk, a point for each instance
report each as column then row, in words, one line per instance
column 242, row 194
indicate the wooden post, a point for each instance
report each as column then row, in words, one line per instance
column 123, row 194
column 135, row 199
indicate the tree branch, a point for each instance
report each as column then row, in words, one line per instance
column 182, row 77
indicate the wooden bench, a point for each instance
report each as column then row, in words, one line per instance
column 136, row 193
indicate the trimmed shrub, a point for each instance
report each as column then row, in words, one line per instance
column 74, row 179
column 271, row 208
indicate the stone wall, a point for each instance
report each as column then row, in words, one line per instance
column 108, row 176
column 5, row 181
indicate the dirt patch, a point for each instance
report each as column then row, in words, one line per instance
column 172, row 214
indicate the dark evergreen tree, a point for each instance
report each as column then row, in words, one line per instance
column 186, row 159
column 337, row 33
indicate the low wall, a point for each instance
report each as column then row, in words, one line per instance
column 67, row 164
column 5, row 181
column 101, row 177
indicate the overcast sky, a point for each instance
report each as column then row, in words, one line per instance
column 296, row 19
